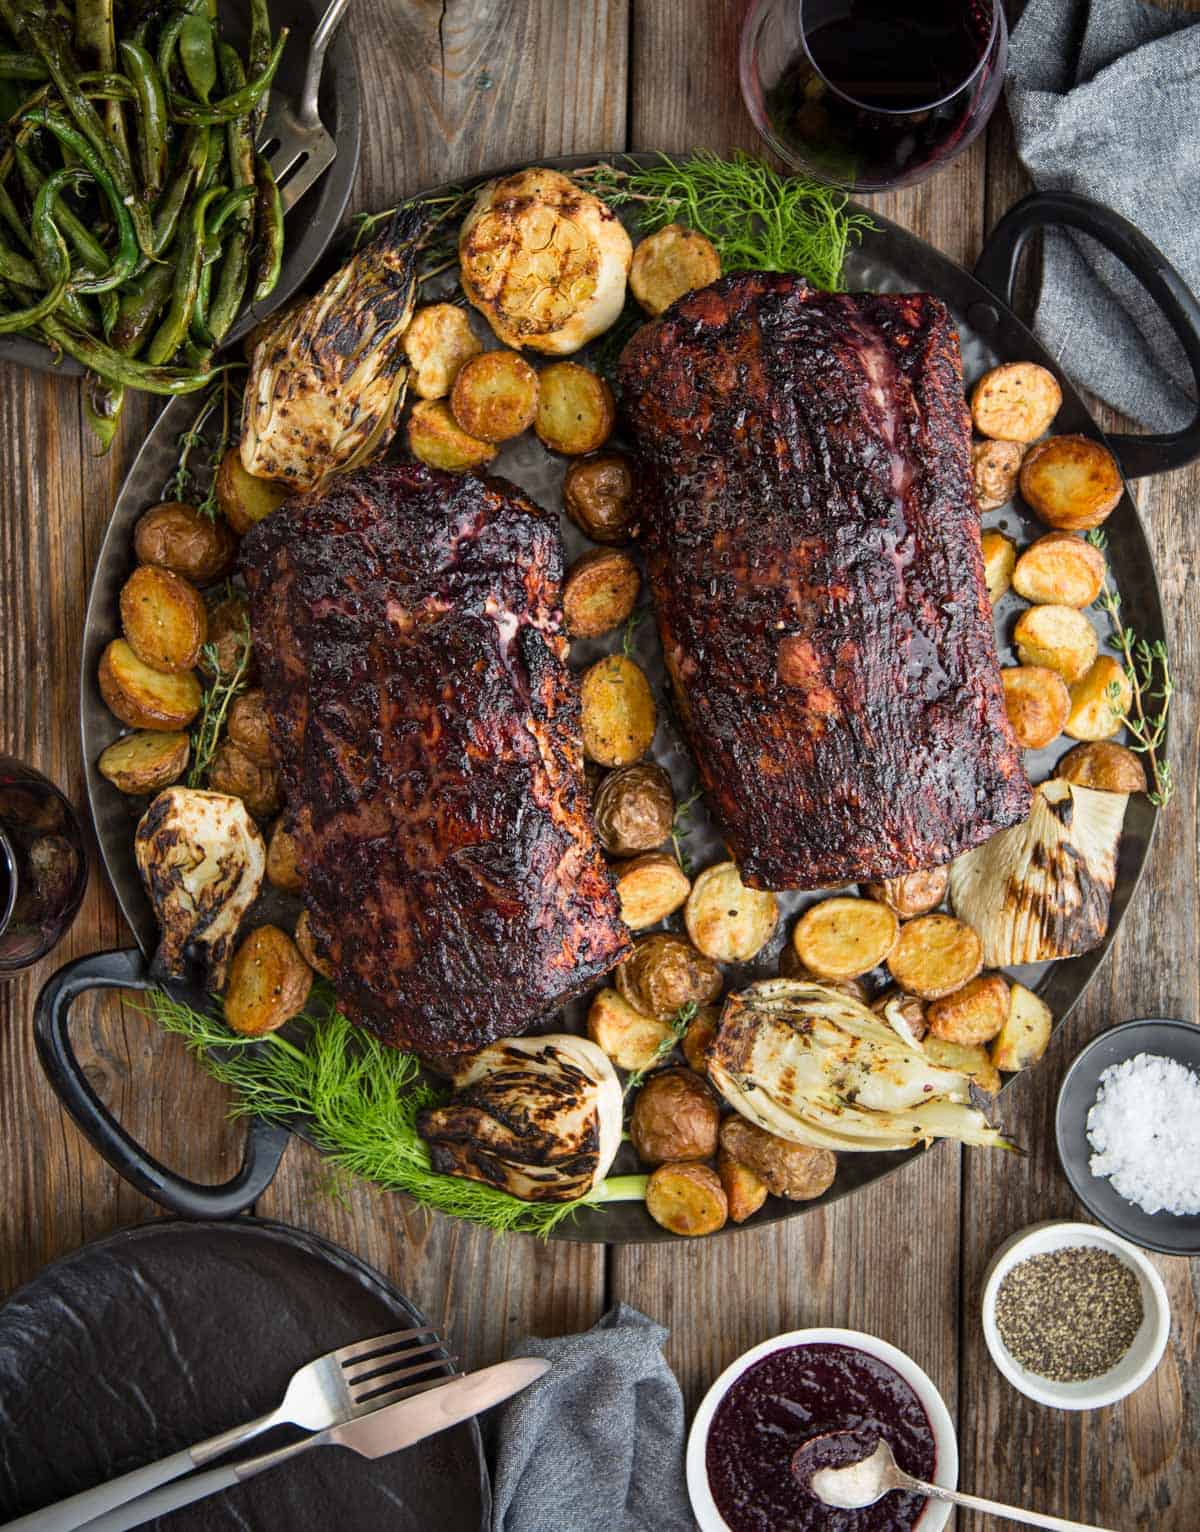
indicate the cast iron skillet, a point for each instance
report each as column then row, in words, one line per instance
column 890, row 258
column 310, row 228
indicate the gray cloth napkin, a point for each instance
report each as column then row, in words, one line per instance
column 1105, row 100
column 596, row 1445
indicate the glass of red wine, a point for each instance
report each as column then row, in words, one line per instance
column 43, row 865
column 872, row 94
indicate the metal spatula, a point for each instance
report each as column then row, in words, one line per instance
column 294, row 141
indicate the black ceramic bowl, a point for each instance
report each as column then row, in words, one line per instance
column 1168, row 1233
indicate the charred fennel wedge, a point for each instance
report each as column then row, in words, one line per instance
column 1042, row 889
column 817, row 1068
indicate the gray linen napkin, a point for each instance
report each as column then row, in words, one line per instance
column 597, row 1444
column 1105, row 100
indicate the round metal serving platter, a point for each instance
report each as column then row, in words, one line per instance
column 317, row 217
column 889, row 259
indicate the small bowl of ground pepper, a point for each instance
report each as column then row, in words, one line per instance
column 1074, row 1317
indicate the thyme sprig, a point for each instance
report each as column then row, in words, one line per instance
column 1148, row 671
column 680, row 828
column 678, row 1025
column 215, row 704
column 187, row 479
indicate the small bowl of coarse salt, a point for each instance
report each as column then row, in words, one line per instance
column 1074, row 1316
column 1128, row 1131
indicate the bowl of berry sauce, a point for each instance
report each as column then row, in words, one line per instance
column 808, row 1383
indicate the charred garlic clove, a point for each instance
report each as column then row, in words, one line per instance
column 202, row 861
column 539, row 1117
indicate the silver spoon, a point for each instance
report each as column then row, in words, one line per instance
column 863, row 1483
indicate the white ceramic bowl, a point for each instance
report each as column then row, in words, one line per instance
column 935, row 1515
column 1138, row 1362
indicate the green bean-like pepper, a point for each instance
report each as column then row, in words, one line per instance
column 258, row 56
column 96, row 43
column 53, row 260
column 168, row 41
column 22, row 66
column 198, row 332
column 127, row 248
column 231, row 203
column 141, row 303
column 47, row 207
column 270, row 231
column 152, row 125
column 198, row 55
column 117, row 368
column 102, row 405
column 170, row 334
column 193, row 158
column 228, row 108
column 85, row 244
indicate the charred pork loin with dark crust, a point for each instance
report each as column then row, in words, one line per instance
column 407, row 627
column 812, row 544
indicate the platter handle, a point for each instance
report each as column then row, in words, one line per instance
column 265, row 1142
column 996, row 268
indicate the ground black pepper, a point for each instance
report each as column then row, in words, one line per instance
column 1070, row 1314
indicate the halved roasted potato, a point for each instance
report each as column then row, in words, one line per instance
column 619, row 715
column 145, row 761
column 686, row 1199
column 726, row 920
column 650, row 887
column 1060, row 569
column 145, row 698
column 745, row 1192
column 670, row 262
column 306, row 944
column 599, row 592
column 435, row 438
column 163, row 619
column 970, row 1059
column 243, row 497
column 632, row 1041
column 994, row 468
column 1104, row 766
column 934, row 956
column 232, row 771
column 268, row 984
column 439, row 339
column 1016, row 402
column 1037, row 703
column 999, row 559
column 663, row 973
column 972, row 1014
column 495, row 396
column 575, row 409
column 599, row 494
column 179, row 538
column 790, row 967
column 1100, row 701
column 1026, row 1031
column 634, row 809
column 1057, row 637
column 249, row 727
column 229, row 639
column 843, row 938
column 912, row 893
column 283, row 865
column 698, row 1039
column 1071, row 482
column 796, row 1171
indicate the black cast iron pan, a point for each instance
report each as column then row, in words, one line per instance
column 889, row 259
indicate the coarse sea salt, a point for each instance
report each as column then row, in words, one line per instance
column 1144, row 1127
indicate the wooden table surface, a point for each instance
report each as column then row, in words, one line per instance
column 453, row 89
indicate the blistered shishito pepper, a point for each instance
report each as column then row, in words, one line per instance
column 171, row 333
column 127, row 249
column 240, row 104
column 152, row 124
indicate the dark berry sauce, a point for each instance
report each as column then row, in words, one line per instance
column 797, row 1393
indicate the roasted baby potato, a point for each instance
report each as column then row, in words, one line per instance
column 699, row 1037
column 1037, row 703
column 972, row 1014
column 686, row 1199
column 177, row 537
column 575, row 409
column 495, row 396
column 145, row 698
column 228, row 638
column 1100, row 702
column 1026, row 1031
column 912, row 893
column 163, row 619
column 243, row 497
column 619, row 716
column 668, row 263
column 999, row 559
column 843, row 938
column 911, row 1012
column 1071, row 482
column 1016, row 402
column 795, row 1171
column 969, row 1059
column 650, row 887
column 268, row 982
column 631, row 1040
column 439, row 339
column 726, row 920
column 664, row 973
column 790, row 967
column 934, row 956
column 435, row 438
column 675, row 1117
column 1060, row 569
column 599, row 494
column 283, row 866
column 634, row 809
column 249, row 727
column 306, row 943
column 745, row 1192
column 994, row 467
column 599, row 592
column 1057, row 637
column 234, row 772
column 145, row 761
column 1104, row 766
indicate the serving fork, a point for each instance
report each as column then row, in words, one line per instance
column 294, row 141
column 345, row 1384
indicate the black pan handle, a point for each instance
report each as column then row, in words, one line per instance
column 996, row 268
column 265, row 1142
